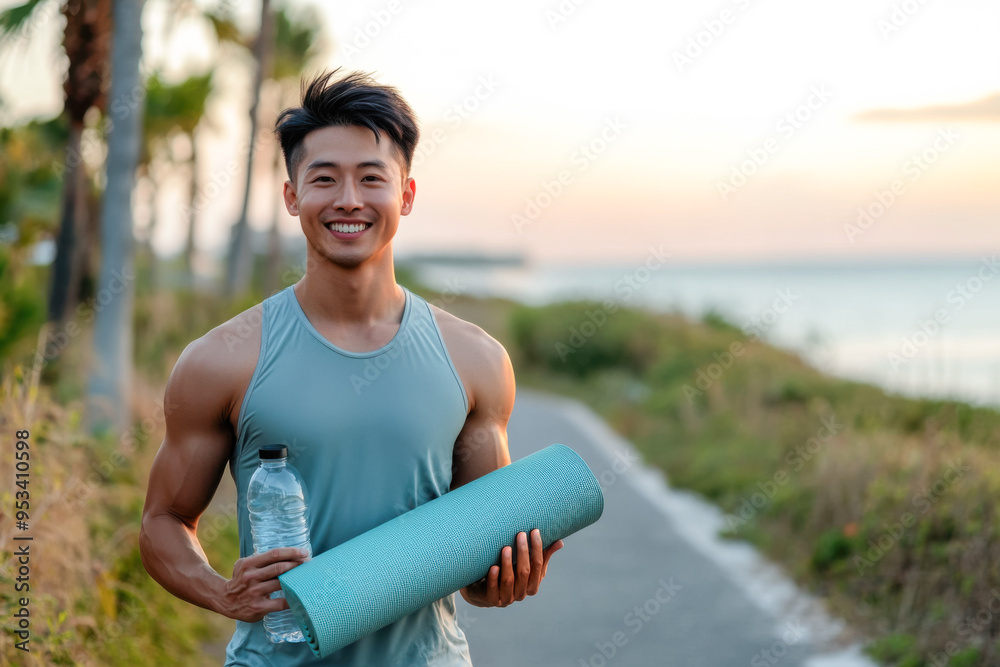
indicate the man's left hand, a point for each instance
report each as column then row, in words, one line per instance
column 504, row 585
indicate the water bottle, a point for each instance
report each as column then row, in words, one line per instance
column 277, row 501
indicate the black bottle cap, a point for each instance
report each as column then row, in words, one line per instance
column 269, row 452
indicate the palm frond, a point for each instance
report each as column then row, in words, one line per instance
column 226, row 30
column 14, row 20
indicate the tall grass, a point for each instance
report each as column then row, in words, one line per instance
column 90, row 599
column 884, row 504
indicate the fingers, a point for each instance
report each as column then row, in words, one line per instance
column 250, row 573
column 268, row 565
column 276, row 604
column 276, row 555
column 255, row 579
column 523, row 573
column 506, row 577
column 537, row 563
column 493, row 587
column 554, row 547
column 268, row 587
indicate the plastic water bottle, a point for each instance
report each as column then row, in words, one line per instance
column 278, row 505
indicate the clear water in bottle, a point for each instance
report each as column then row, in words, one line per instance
column 278, row 505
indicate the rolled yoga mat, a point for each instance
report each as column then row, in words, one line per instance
column 407, row 563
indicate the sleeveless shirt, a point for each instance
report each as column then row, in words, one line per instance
column 372, row 434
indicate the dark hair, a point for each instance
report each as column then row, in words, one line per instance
column 354, row 99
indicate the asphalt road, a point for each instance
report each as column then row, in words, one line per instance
column 633, row 590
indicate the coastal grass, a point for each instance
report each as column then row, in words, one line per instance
column 883, row 504
column 89, row 597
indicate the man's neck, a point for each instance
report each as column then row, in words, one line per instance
column 362, row 296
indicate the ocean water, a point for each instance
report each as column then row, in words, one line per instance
column 921, row 328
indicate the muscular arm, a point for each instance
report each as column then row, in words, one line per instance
column 481, row 448
column 183, row 479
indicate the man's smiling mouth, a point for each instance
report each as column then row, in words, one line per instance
column 347, row 227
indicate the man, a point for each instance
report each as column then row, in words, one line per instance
column 384, row 401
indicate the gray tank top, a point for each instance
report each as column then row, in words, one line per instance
column 372, row 434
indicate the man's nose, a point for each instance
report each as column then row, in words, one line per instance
column 348, row 198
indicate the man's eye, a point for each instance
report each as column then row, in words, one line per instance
column 371, row 177
column 324, row 179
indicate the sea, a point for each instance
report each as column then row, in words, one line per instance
column 927, row 328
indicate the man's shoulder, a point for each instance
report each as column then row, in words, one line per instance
column 227, row 350
column 466, row 337
column 481, row 360
column 215, row 368
column 233, row 338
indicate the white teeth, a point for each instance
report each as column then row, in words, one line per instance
column 346, row 228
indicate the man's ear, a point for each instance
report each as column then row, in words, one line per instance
column 409, row 192
column 291, row 198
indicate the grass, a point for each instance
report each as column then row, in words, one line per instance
column 91, row 601
column 881, row 503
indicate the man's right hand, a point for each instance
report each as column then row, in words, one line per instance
column 248, row 593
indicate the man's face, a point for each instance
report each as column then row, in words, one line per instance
column 346, row 180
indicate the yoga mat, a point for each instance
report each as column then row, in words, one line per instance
column 445, row 544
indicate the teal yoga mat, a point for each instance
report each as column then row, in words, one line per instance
column 445, row 544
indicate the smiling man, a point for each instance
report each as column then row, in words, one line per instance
column 433, row 419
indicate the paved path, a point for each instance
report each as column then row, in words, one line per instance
column 630, row 590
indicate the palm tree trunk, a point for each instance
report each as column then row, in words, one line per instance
column 240, row 259
column 63, row 280
column 189, row 249
column 111, row 375
column 151, row 258
column 274, row 255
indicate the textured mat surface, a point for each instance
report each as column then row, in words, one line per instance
column 407, row 563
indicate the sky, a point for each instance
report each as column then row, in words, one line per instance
column 590, row 131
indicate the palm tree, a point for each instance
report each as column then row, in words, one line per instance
column 194, row 96
column 238, row 265
column 110, row 378
column 187, row 104
column 86, row 41
column 171, row 110
column 296, row 44
column 156, row 130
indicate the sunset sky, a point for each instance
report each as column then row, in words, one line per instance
column 828, row 108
